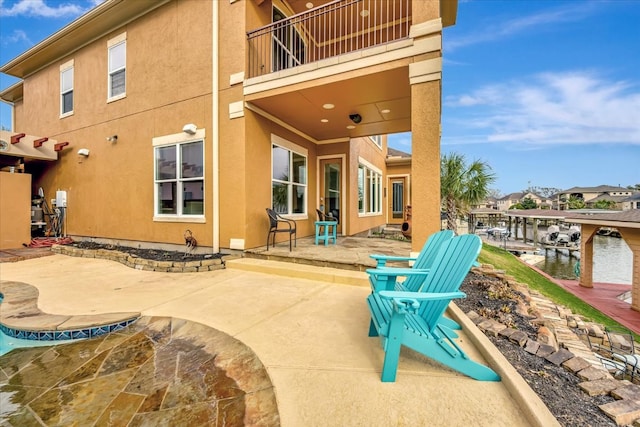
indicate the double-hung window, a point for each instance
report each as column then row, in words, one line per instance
column 66, row 89
column 288, row 178
column 117, row 67
column 179, row 179
column 369, row 189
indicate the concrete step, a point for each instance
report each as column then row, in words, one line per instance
column 300, row 271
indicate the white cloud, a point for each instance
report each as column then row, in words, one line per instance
column 510, row 27
column 17, row 36
column 550, row 108
column 39, row 8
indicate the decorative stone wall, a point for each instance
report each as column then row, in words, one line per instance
column 138, row 263
column 558, row 343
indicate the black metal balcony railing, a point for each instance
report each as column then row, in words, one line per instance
column 327, row 31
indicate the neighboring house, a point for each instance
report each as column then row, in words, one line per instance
column 175, row 115
column 488, row 203
column 505, row 203
column 590, row 195
column 631, row 202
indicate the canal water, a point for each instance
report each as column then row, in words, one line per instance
column 612, row 261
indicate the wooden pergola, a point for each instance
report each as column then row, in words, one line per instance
column 628, row 224
column 535, row 216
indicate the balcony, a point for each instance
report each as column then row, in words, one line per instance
column 334, row 29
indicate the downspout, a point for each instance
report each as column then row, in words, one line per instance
column 215, row 142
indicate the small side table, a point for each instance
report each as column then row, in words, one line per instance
column 328, row 233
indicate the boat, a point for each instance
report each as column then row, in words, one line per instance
column 557, row 238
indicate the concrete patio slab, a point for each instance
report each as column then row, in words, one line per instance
column 311, row 336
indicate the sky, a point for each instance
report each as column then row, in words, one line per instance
column 545, row 92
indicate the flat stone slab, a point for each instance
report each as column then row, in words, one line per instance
column 507, row 332
column 629, row 392
column 599, row 387
column 545, row 350
column 519, row 337
column 576, row 364
column 623, row 412
column 559, row 357
column 532, row 346
column 592, row 374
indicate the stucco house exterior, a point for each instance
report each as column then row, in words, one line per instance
column 504, row 203
column 591, row 195
column 162, row 116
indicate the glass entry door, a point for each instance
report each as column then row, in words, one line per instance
column 330, row 186
column 397, row 201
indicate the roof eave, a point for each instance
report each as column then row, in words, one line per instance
column 97, row 22
column 448, row 12
column 13, row 93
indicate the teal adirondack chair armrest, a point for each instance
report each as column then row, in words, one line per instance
column 382, row 260
column 386, row 278
column 408, row 297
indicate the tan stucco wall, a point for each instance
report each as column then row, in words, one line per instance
column 364, row 148
column 169, row 84
column 425, row 162
column 110, row 193
column 15, row 210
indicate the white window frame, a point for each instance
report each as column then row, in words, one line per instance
column 67, row 67
column 377, row 140
column 301, row 151
column 374, row 205
column 112, row 44
column 177, row 140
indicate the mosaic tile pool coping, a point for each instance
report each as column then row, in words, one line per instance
column 68, row 334
column 21, row 318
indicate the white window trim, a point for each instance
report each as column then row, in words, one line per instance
column 288, row 145
column 175, row 139
column 377, row 140
column 121, row 38
column 371, row 167
column 69, row 65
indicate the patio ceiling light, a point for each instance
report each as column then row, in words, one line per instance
column 328, row 106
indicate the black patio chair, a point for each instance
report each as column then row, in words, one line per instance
column 280, row 224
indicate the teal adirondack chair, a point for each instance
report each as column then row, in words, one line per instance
column 425, row 257
column 385, row 278
column 413, row 319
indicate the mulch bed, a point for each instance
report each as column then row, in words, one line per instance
column 151, row 254
column 557, row 387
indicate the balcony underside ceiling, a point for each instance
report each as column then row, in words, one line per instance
column 366, row 95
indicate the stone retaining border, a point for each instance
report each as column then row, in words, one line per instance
column 558, row 344
column 145, row 264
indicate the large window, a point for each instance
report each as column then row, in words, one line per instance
column 369, row 190
column 179, row 179
column 288, row 181
column 66, row 89
column 117, row 66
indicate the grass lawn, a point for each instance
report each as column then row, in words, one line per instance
column 504, row 260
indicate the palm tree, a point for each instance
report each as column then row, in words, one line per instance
column 462, row 185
